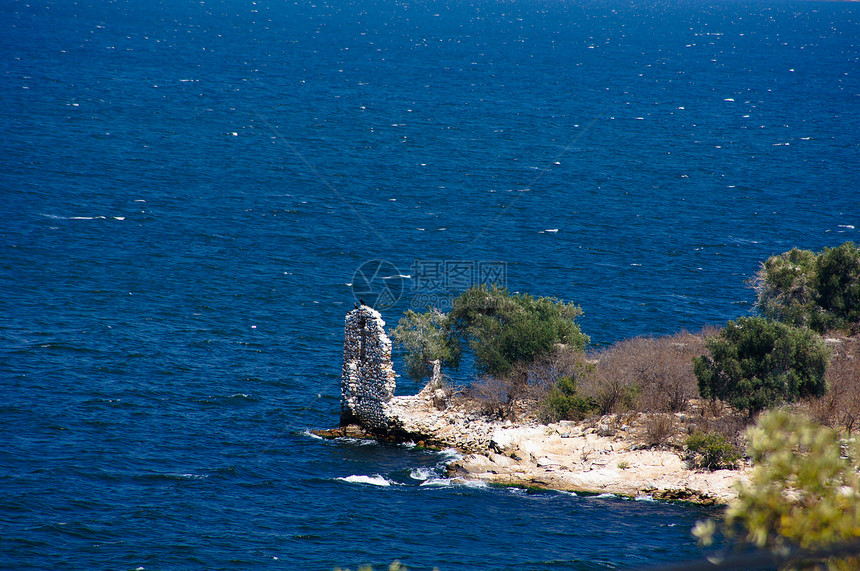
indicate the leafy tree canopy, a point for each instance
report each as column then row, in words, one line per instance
column 756, row 364
column 821, row 291
column 503, row 328
column 499, row 327
column 838, row 284
column 426, row 337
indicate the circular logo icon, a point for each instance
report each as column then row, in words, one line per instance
column 377, row 283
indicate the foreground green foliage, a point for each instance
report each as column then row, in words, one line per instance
column 710, row 451
column 757, row 364
column 821, row 291
column 804, row 490
column 501, row 329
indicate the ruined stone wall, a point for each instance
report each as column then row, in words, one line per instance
column 368, row 379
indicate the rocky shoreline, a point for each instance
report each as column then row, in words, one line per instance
column 604, row 455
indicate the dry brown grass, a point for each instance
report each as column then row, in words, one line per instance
column 650, row 374
column 659, row 428
column 839, row 408
column 654, row 375
column 518, row 393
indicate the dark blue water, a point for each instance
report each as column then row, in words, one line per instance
column 187, row 189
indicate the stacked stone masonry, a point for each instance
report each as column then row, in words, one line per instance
column 368, row 380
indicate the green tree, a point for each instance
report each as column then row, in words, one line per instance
column 785, row 287
column 838, row 286
column 756, row 364
column 500, row 328
column 803, row 492
column 426, row 338
column 820, row 291
column 503, row 328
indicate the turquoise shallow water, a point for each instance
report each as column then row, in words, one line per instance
column 190, row 190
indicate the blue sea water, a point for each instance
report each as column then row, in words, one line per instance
column 190, row 193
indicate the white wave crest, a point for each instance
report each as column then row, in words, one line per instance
column 307, row 432
column 437, row 483
column 473, row 483
column 371, row 480
column 459, row 482
column 421, row 474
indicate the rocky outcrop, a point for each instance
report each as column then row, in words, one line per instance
column 597, row 457
column 577, row 457
column 606, row 456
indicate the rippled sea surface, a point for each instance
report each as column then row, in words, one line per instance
column 190, row 192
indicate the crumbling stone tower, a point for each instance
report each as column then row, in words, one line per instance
column 368, row 379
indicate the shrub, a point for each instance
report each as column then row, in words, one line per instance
column 729, row 423
column 659, row 428
column 804, row 490
column 496, row 396
column 564, row 403
column 529, row 387
column 756, row 364
column 710, row 451
column 820, row 291
column 614, row 396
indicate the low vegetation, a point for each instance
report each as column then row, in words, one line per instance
column 660, row 429
column 645, row 374
column 564, row 402
column 648, row 374
column 655, row 376
column 839, row 407
column 710, row 451
column 548, row 388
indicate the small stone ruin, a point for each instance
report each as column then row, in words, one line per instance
column 368, row 379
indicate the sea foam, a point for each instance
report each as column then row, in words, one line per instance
column 371, row 480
